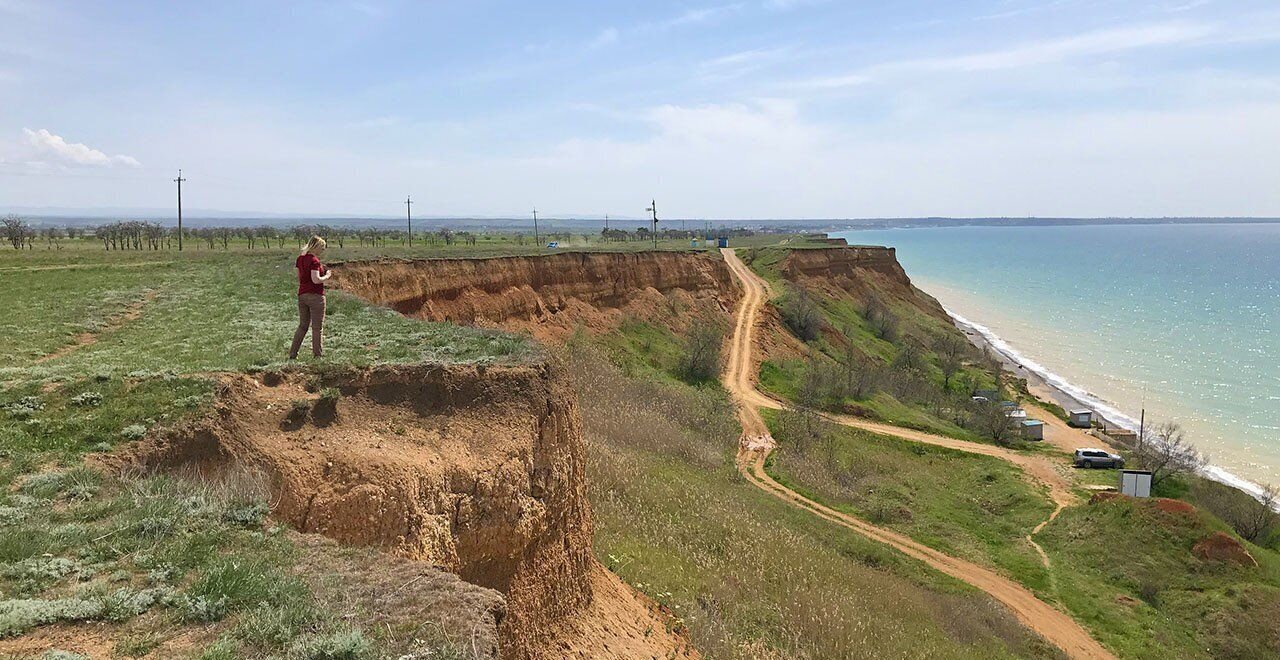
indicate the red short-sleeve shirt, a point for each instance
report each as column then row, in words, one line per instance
column 305, row 264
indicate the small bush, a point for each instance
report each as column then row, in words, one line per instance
column 59, row 654
column 250, row 516
column 19, row 616
column 883, row 322
column 25, row 407
column 87, row 399
column 35, row 574
column 133, row 432
column 800, row 313
column 79, row 483
column 345, row 645
column 700, row 361
column 201, row 608
column 11, row 515
column 124, row 604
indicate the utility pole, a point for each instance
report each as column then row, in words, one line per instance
column 179, row 181
column 606, row 222
column 1142, row 429
column 408, row 215
column 536, row 239
column 653, row 208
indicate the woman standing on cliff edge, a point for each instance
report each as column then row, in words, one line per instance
column 311, row 277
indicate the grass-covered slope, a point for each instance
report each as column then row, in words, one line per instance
column 1127, row 569
column 976, row 507
column 98, row 349
column 873, row 345
column 748, row 575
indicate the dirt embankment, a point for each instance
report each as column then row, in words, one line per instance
column 856, row 271
column 477, row 470
column 550, row 296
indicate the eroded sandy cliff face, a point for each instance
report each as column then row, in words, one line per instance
column 477, row 470
column 855, row 271
column 551, row 295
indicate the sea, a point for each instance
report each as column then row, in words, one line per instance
column 1178, row 320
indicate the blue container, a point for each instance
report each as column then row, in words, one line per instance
column 723, row 242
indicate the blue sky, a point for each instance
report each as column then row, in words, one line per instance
column 758, row 108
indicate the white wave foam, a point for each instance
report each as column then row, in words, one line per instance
column 1104, row 408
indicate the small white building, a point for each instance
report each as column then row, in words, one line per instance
column 1081, row 418
column 1135, row 483
column 1032, row 429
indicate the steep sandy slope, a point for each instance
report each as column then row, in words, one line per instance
column 549, row 296
column 477, row 470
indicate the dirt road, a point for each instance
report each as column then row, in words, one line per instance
column 1052, row 624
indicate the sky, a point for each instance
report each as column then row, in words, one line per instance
column 749, row 109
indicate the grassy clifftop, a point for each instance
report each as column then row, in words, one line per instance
column 97, row 349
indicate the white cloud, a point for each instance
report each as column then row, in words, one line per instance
column 743, row 62
column 787, row 5
column 703, row 14
column 1030, row 54
column 834, row 82
column 1057, row 50
column 607, row 37
column 74, row 153
column 766, row 159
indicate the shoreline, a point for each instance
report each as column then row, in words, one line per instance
column 1052, row 387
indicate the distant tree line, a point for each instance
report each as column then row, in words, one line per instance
column 148, row 235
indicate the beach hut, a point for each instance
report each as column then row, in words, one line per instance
column 723, row 242
column 1081, row 418
column 1032, row 429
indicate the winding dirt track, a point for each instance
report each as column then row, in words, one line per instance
column 1052, row 624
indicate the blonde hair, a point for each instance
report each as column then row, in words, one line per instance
column 313, row 244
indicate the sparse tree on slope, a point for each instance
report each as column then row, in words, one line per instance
column 1169, row 454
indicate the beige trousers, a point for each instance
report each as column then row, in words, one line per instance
column 310, row 314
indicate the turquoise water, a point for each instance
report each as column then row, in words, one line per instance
column 1179, row 319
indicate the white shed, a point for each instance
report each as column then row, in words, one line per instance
column 1135, row 483
column 1080, row 418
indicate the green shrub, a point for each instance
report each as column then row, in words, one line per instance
column 59, row 654
column 87, row 399
column 133, row 432
column 250, row 515
column 24, row 407
column 800, row 313
column 21, row 615
column 37, row 573
column 344, row 645
column 124, row 604
column 201, row 608
column 700, row 360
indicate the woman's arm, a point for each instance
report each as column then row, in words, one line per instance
column 317, row 278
